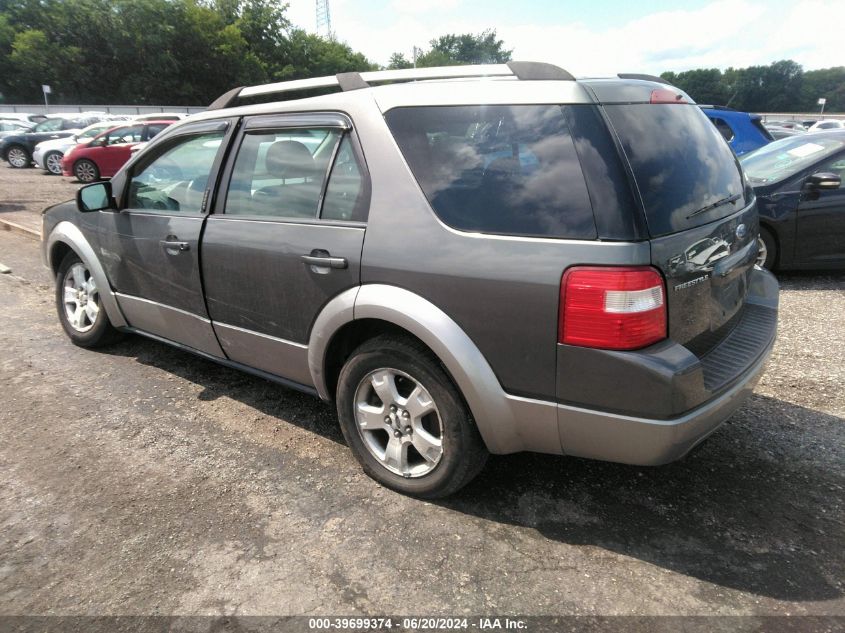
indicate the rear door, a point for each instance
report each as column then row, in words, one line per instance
column 821, row 220
column 285, row 237
column 150, row 247
column 699, row 213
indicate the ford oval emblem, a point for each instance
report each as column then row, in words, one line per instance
column 741, row 231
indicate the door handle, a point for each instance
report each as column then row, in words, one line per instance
column 325, row 261
column 171, row 245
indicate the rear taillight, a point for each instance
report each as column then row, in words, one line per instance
column 612, row 307
column 664, row 95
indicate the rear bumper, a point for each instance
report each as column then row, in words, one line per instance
column 685, row 398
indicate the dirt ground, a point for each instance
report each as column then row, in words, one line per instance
column 142, row 480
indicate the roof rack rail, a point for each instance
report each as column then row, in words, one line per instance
column 659, row 80
column 526, row 71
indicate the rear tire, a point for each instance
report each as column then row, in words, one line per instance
column 80, row 307
column 86, row 171
column 18, row 157
column 53, row 163
column 767, row 249
column 405, row 421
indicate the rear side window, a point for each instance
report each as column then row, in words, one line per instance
column 685, row 172
column 281, row 173
column 509, row 170
column 724, row 129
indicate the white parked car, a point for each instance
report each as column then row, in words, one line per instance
column 827, row 124
column 48, row 155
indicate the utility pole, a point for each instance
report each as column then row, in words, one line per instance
column 324, row 19
column 414, row 54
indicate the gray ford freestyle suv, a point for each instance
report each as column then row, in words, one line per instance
column 468, row 260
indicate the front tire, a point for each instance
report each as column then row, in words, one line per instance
column 53, row 163
column 18, row 157
column 86, row 171
column 79, row 305
column 766, row 249
column 405, row 421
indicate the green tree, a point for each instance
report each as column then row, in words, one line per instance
column 826, row 82
column 398, row 61
column 466, row 48
column 704, row 85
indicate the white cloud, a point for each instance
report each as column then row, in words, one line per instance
column 415, row 6
column 723, row 33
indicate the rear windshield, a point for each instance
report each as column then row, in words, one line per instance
column 686, row 173
column 788, row 156
column 508, row 170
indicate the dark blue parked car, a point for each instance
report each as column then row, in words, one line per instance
column 743, row 131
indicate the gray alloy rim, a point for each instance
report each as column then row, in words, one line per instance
column 762, row 252
column 85, row 171
column 399, row 423
column 53, row 163
column 81, row 298
column 17, row 157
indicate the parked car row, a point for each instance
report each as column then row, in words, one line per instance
column 48, row 142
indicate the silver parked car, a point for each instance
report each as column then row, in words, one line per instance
column 484, row 259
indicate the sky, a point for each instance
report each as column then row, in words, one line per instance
column 599, row 37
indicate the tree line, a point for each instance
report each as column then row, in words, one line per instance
column 187, row 52
column 173, row 52
column 783, row 86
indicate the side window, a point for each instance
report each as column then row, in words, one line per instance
column 724, row 129
column 345, row 186
column 175, row 181
column 281, row 173
column 508, row 170
column 124, row 135
column 154, row 129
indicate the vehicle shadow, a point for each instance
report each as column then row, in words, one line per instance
column 272, row 399
column 757, row 507
column 752, row 509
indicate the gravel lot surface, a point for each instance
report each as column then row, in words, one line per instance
column 142, row 480
column 25, row 192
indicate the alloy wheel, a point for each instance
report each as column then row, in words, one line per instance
column 85, row 171
column 17, row 157
column 762, row 252
column 53, row 163
column 399, row 422
column 81, row 298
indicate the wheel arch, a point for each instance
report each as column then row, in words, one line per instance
column 66, row 237
column 358, row 313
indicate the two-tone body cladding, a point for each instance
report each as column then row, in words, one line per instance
column 463, row 266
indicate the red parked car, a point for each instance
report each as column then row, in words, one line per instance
column 106, row 153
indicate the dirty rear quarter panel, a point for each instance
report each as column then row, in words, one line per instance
column 502, row 291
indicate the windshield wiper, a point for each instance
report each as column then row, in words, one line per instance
column 716, row 204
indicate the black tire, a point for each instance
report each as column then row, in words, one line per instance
column 53, row 163
column 463, row 451
column 101, row 331
column 18, row 157
column 767, row 242
column 86, row 170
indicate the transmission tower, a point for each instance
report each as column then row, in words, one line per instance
column 324, row 19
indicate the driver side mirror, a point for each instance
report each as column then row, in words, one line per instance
column 95, row 197
column 823, row 180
